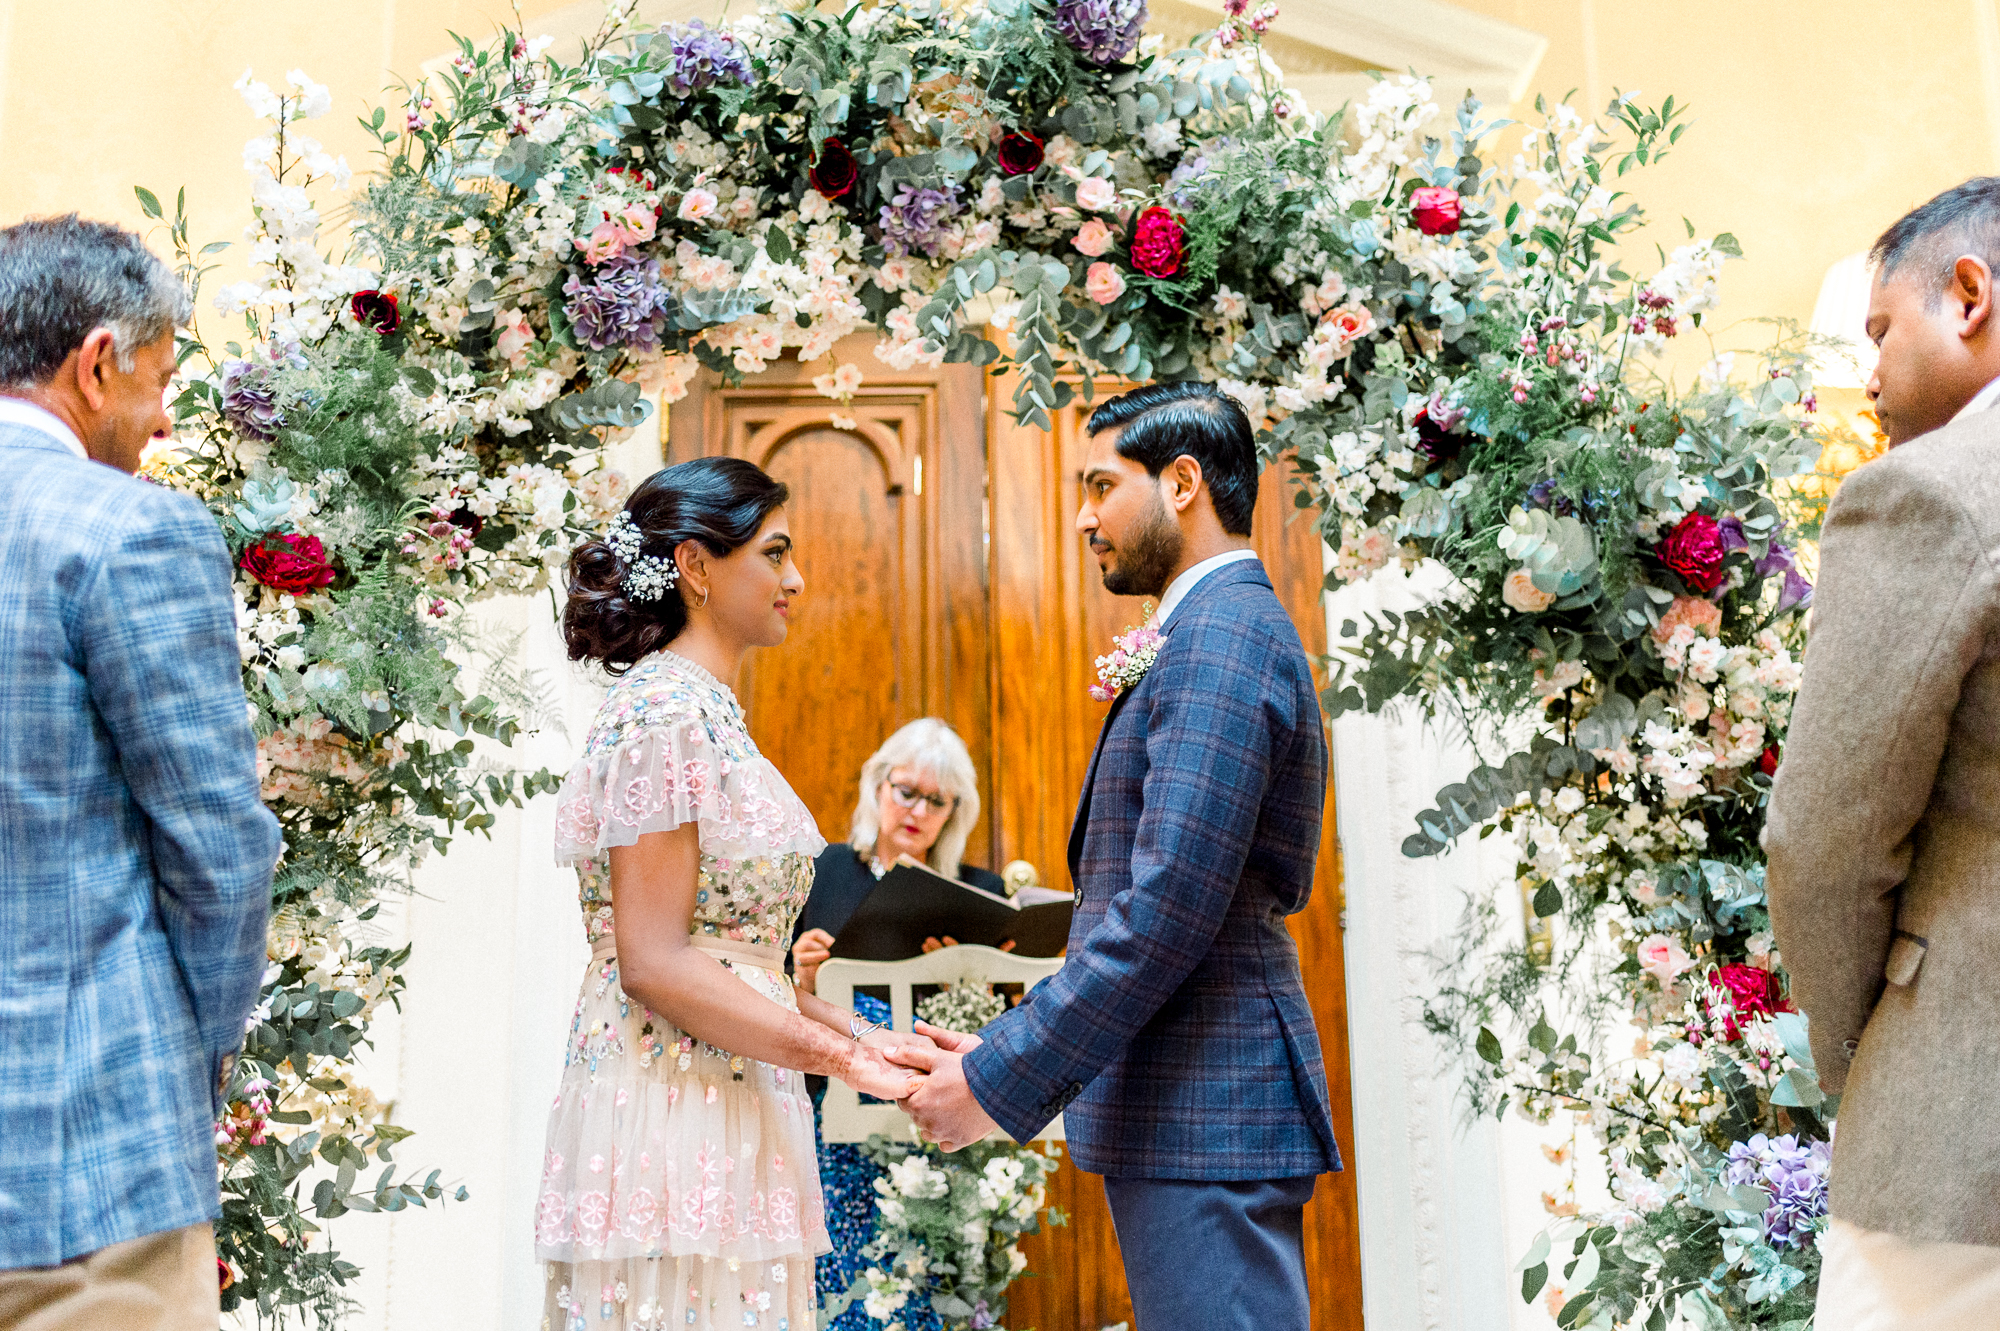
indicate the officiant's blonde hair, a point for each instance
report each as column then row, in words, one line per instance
column 929, row 748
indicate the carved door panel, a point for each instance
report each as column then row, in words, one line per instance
column 888, row 516
column 1052, row 618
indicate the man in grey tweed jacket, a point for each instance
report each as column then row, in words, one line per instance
column 135, row 855
column 1884, row 826
column 1176, row 1039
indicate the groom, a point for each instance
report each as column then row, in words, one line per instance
column 1176, row 1037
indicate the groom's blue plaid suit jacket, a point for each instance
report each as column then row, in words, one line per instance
column 135, row 856
column 1176, row 1038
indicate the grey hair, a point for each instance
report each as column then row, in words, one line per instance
column 62, row 278
column 1963, row 220
column 928, row 748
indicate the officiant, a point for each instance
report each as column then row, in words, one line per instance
column 919, row 796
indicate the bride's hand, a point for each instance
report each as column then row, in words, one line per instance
column 871, row 1074
column 886, row 1039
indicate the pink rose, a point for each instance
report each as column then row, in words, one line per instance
column 1662, row 958
column 1104, row 283
column 1097, row 194
column 1093, row 239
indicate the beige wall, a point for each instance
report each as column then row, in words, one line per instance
column 1816, row 122
column 97, row 96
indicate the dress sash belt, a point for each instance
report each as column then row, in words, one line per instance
column 768, row 955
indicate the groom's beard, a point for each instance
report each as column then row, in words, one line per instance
column 1148, row 556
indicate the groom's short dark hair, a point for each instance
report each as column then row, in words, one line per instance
column 1189, row 418
column 1965, row 219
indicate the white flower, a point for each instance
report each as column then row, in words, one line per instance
column 313, row 100
column 1162, row 137
column 1230, row 306
column 263, row 103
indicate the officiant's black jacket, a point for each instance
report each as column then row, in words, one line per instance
column 841, row 878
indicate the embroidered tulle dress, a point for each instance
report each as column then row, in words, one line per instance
column 679, row 1187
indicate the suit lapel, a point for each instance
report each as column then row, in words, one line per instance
column 1089, row 780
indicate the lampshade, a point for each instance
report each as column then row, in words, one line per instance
column 1841, row 312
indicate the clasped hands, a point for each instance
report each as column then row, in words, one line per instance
column 937, row 1099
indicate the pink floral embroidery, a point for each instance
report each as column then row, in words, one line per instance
column 783, row 1210
column 593, row 1212
column 552, row 1220
column 642, row 1217
column 694, row 780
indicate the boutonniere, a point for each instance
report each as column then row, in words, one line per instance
column 1132, row 655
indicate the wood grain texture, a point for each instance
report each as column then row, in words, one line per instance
column 971, row 596
column 1051, row 619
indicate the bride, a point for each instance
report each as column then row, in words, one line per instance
column 679, row 1187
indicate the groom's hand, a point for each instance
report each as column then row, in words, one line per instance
column 942, row 1106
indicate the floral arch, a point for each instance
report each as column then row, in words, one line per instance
column 1446, row 343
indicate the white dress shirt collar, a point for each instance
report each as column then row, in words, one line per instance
column 17, row 411
column 1984, row 400
column 1177, row 591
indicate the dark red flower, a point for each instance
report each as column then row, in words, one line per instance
column 1753, row 989
column 1020, row 153
column 466, row 518
column 224, row 1277
column 1693, row 550
column 284, row 563
column 1434, row 441
column 836, row 171
column 1435, row 209
column 1157, row 240
column 377, row 310
column 1768, row 764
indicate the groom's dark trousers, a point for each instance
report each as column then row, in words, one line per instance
column 1176, row 1039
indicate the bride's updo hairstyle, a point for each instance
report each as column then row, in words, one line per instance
column 721, row 502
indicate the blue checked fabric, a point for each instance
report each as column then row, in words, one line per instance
column 135, row 855
column 1176, row 1039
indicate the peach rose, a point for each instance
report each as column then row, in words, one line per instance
column 696, row 204
column 1104, row 283
column 1520, row 593
column 638, row 222
column 1093, row 239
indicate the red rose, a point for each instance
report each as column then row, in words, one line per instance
column 1693, row 549
column 1754, row 990
column 1020, row 153
column 376, row 310
column 1156, row 243
column 1768, row 764
column 836, row 170
column 224, row 1277
column 295, row 564
column 1435, row 209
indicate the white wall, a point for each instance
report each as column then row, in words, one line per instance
column 1447, row 1206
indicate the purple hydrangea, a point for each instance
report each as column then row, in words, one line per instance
column 250, row 401
column 1795, row 1177
column 915, row 220
column 625, row 306
column 1102, row 31
column 704, row 57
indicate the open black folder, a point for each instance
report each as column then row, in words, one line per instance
column 913, row 902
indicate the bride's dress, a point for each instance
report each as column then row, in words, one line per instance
column 679, row 1187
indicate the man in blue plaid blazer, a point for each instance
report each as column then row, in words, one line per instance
column 135, row 854
column 1176, row 1038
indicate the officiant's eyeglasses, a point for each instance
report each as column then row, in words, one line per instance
column 910, row 797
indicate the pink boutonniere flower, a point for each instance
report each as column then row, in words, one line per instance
column 1132, row 655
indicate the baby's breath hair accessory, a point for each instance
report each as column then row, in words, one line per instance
column 647, row 577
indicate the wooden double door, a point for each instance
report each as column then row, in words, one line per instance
column 944, row 577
